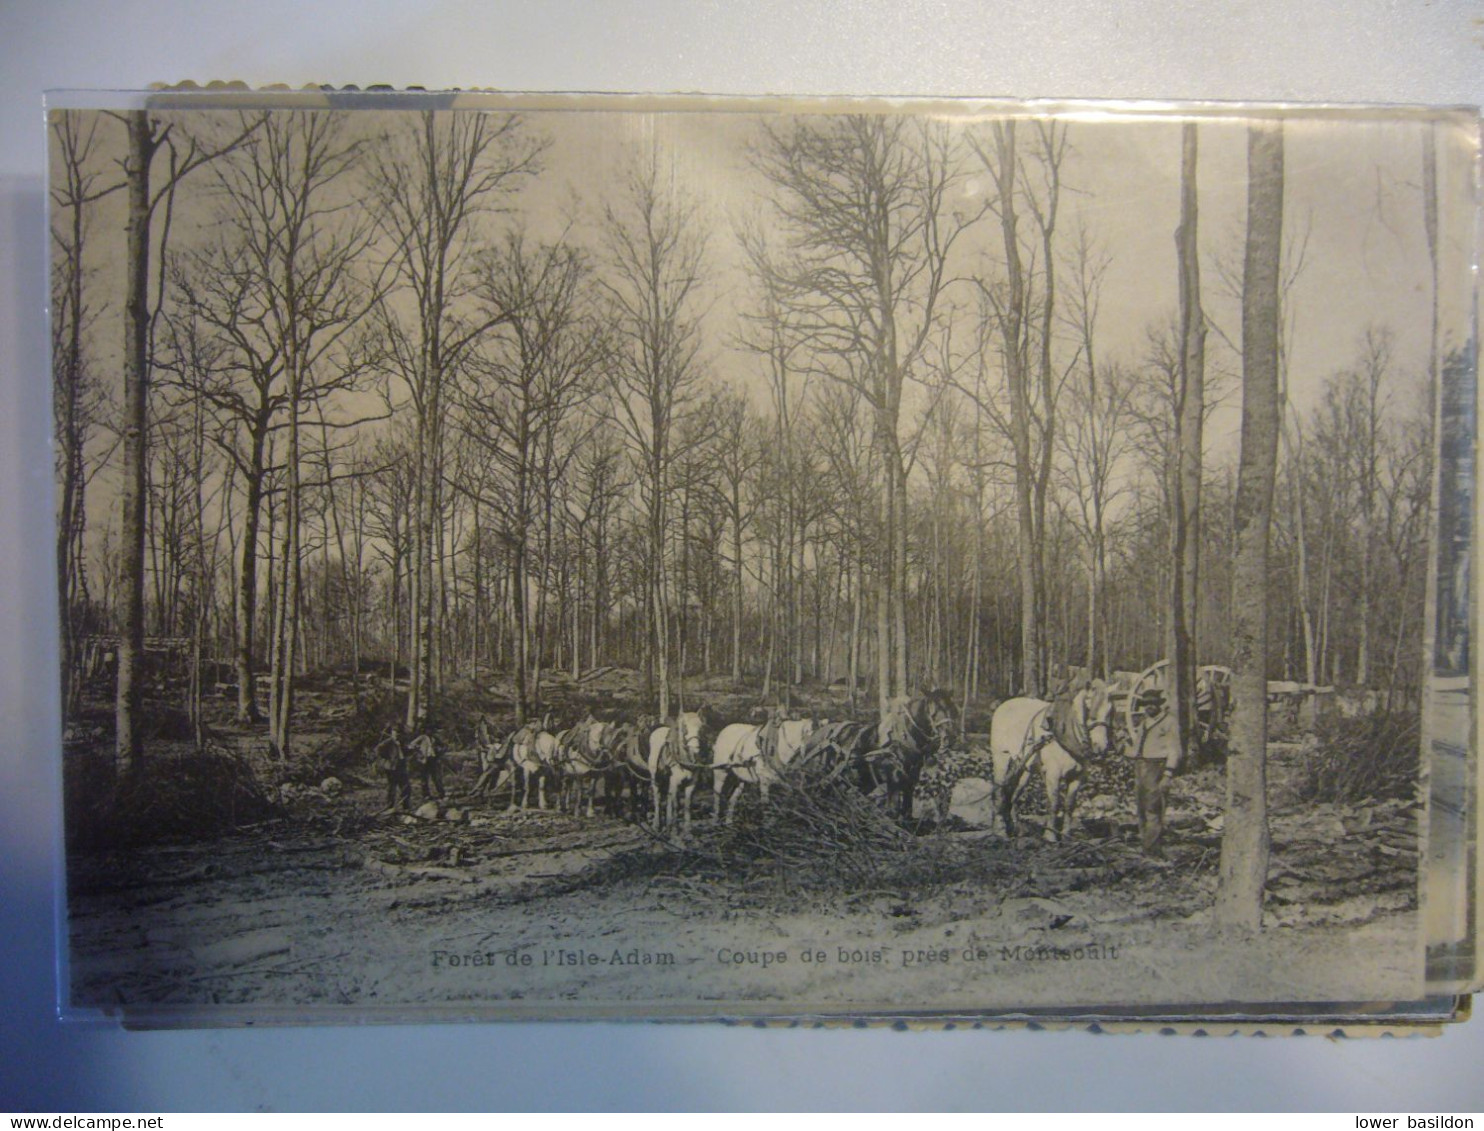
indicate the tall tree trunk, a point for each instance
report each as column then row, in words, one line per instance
column 1295, row 453
column 1363, row 616
column 1049, row 381
column 352, row 602
column 899, row 565
column 976, row 644
column 682, row 603
column 1185, row 511
column 1244, row 843
column 1326, row 661
column 417, row 577
column 286, row 627
column 600, row 590
column 884, row 560
column 71, row 432
column 429, row 528
column 1375, row 369
column 358, row 590
column 661, row 619
column 736, row 581
column 198, row 612
column 1012, row 323
column 247, row 584
column 439, row 637
column 133, row 498
column 538, row 646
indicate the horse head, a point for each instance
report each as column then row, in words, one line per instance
column 712, row 723
column 1093, row 707
column 698, row 730
column 690, row 729
column 938, row 717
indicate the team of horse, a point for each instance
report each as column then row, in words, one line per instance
column 663, row 761
column 648, row 768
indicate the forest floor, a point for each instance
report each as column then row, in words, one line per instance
column 325, row 898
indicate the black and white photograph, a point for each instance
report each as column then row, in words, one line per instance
column 598, row 556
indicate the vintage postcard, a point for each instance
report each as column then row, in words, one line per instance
column 633, row 557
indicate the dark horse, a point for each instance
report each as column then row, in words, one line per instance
column 887, row 755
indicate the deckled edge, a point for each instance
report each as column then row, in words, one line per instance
column 1228, row 1022
column 473, row 97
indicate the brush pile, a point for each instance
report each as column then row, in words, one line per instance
column 1354, row 761
column 823, row 834
column 176, row 797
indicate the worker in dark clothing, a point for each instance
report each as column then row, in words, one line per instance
column 1157, row 755
column 427, row 760
column 391, row 760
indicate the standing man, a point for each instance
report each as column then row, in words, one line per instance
column 391, row 759
column 429, row 761
column 1157, row 755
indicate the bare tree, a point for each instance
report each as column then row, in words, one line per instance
column 600, row 485
column 147, row 137
column 184, row 481
column 532, row 372
column 1244, row 842
column 76, row 396
column 247, row 395
column 1369, row 403
column 1094, row 440
column 429, row 182
column 287, row 308
column 1185, row 509
column 738, row 454
column 280, row 291
column 1024, row 318
column 773, row 339
column 863, row 205
column 1294, row 455
column 390, row 488
column 144, row 141
column 655, row 262
column 841, row 428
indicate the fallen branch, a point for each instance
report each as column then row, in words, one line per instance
column 421, row 871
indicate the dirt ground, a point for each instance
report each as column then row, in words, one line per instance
column 333, row 901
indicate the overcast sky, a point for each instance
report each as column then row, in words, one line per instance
column 1353, row 193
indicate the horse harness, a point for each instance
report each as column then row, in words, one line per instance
column 893, row 736
column 675, row 747
column 837, row 746
column 1064, row 724
column 576, row 746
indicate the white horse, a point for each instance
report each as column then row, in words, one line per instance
column 1060, row 735
column 738, row 759
column 676, row 753
column 533, row 752
column 583, row 759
